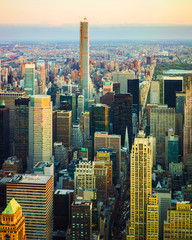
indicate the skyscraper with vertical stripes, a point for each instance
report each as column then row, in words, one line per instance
column 84, row 58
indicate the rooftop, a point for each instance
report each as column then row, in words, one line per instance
column 64, row 191
column 30, row 178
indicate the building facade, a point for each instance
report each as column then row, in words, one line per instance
column 40, row 130
column 22, row 129
column 35, row 194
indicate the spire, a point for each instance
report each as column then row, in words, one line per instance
column 3, row 103
column 126, row 143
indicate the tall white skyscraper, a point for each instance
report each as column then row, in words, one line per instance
column 80, row 108
column 40, row 130
column 84, row 57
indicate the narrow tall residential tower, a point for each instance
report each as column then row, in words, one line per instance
column 84, row 58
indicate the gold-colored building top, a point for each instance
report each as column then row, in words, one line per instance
column 12, row 222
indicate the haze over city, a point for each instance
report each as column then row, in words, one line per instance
column 110, row 20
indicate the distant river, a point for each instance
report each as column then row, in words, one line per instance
column 177, row 71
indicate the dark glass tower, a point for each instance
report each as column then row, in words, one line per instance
column 4, row 133
column 133, row 89
column 100, row 118
column 122, row 116
column 171, row 85
column 21, row 129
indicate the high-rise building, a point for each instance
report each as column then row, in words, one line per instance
column 180, row 102
column 77, row 137
column 179, row 220
column 141, row 190
column 155, row 92
column 80, row 104
column 105, row 158
column 22, row 129
column 81, row 220
column 152, row 231
column 164, row 200
column 29, row 83
column 122, row 116
column 171, row 149
column 187, row 136
column 9, row 98
column 171, row 85
column 62, row 201
column 64, row 119
column 104, row 140
column 100, row 172
column 85, row 126
column 84, row 57
column 84, row 176
column 40, row 130
column 42, row 80
column 119, row 77
column 100, row 118
column 162, row 120
column 12, row 222
column 61, row 154
column 4, row 133
column 68, row 102
column 35, row 195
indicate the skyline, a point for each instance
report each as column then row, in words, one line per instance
column 10, row 33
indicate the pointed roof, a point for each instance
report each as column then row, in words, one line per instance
column 12, row 207
column 3, row 103
column 126, row 143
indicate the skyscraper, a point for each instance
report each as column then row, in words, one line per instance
column 171, row 85
column 84, row 57
column 122, row 116
column 68, row 102
column 22, row 129
column 100, row 118
column 85, row 126
column 35, row 195
column 12, row 222
column 42, row 80
column 40, row 130
column 64, row 119
column 155, row 92
column 29, row 84
column 187, row 145
column 4, row 133
column 84, row 176
column 140, row 193
column 9, row 98
column 103, row 140
column 162, row 120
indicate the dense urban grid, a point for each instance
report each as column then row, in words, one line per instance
column 96, row 140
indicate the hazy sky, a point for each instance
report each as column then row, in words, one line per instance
column 61, row 12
